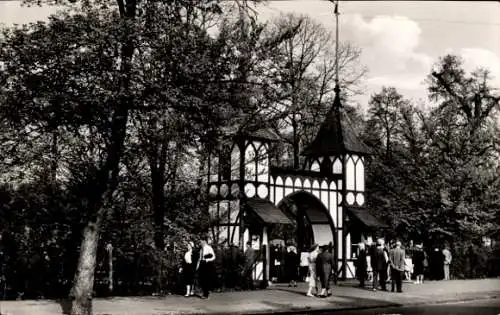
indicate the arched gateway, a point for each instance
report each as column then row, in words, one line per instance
column 249, row 195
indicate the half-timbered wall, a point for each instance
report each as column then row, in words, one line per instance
column 249, row 173
column 327, row 192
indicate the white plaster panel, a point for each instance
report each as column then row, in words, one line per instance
column 351, row 271
column 265, row 237
column 337, row 167
column 322, row 234
column 298, row 183
column 250, row 190
column 315, row 184
column 360, row 199
column 348, row 246
column 350, row 198
column 324, row 198
column 360, row 176
column 316, row 193
column 262, row 191
column 333, row 207
column 333, row 186
column 340, row 211
column 315, row 166
column 246, row 236
column 324, row 185
column 279, row 195
column 272, row 196
column 307, row 185
column 213, row 191
column 350, row 174
column 339, row 244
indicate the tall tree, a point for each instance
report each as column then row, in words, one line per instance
column 306, row 66
column 385, row 115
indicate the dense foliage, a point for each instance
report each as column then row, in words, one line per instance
column 107, row 116
column 436, row 173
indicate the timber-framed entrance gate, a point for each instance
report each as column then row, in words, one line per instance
column 247, row 192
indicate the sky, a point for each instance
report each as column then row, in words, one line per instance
column 400, row 40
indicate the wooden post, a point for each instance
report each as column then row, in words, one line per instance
column 109, row 249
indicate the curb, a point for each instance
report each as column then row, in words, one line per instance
column 367, row 307
column 321, row 310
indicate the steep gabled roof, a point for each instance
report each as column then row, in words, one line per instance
column 336, row 135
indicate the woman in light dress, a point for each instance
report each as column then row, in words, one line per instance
column 313, row 255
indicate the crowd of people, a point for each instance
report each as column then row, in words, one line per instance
column 378, row 263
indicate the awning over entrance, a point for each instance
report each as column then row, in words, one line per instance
column 365, row 218
column 267, row 211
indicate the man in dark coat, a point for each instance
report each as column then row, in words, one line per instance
column 397, row 260
column 291, row 266
column 361, row 265
column 436, row 264
column 326, row 260
column 379, row 261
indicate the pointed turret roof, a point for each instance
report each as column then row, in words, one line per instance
column 336, row 135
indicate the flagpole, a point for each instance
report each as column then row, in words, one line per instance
column 337, row 45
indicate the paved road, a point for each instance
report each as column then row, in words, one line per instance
column 480, row 307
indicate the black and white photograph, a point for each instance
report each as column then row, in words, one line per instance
column 182, row 157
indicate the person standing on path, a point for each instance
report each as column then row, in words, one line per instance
column 436, row 264
column 188, row 269
column 418, row 260
column 205, row 268
column 379, row 261
column 446, row 263
column 361, row 265
column 327, row 262
column 291, row 266
column 313, row 255
column 304, row 264
column 397, row 259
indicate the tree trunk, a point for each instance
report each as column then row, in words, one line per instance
column 106, row 180
column 84, row 278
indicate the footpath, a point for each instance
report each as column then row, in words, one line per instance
column 278, row 299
